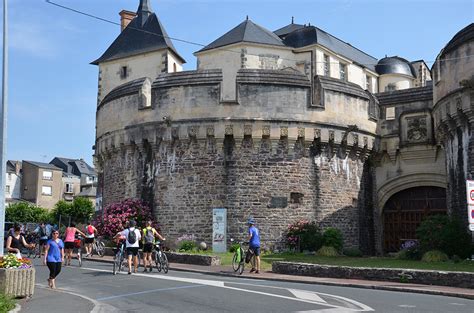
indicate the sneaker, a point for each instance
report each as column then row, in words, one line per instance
column 129, row 273
column 252, row 270
column 144, row 271
column 257, row 272
column 150, row 269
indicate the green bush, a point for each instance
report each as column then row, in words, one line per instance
column 24, row 212
column 435, row 256
column 332, row 237
column 6, row 304
column 304, row 235
column 443, row 233
column 187, row 245
column 352, row 252
column 80, row 210
column 327, row 251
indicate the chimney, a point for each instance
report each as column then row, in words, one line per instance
column 125, row 18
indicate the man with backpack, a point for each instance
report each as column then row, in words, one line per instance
column 44, row 232
column 149, row 234
column 90, row 236
column 254, row 244
column 132, row 244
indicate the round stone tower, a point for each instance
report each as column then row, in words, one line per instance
column 453, row 98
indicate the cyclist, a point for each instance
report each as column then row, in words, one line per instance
column 44, row 232
column 90, row 237
column 133, row 237
column 254, row 244
column 149, row 234
column 70, row 237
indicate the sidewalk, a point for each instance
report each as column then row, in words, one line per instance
column 356, row 283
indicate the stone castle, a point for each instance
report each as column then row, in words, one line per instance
column 282, row 126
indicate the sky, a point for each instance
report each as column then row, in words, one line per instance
column 53, row 87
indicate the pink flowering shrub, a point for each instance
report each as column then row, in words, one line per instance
column 304, row 235
column 116, row 215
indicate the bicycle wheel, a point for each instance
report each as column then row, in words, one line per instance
column 235, row 262
column 100, row 248
column 164, row 263
column 156, row 255
column 117, row 262
column 242, row 264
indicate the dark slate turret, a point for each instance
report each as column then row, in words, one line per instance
column 395, row 65
column 145, row 33
column 247, row 31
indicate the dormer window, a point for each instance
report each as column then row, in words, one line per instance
column 326, row 65
column 123, row 72
column 343, row 71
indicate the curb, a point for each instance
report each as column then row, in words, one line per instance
column 325, row 283
column 16, row 309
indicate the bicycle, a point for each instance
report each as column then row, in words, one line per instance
column 241, row 257
column 161, row 260
column 119, row 258
column 99, row 247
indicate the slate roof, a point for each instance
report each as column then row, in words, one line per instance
column 11, row 166
column 464, row 35
column 145, row 33
column 73, row 166
column 308, row 35
column 88, row 192
column 282, row 32
column 247, row 31
column 395, row 65
column 43, row 165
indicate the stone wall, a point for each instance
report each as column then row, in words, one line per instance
column 453, row 279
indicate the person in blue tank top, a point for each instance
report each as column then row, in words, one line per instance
column 254, row 245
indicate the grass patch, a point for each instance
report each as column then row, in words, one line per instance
column 373, row 262
column 6, row 303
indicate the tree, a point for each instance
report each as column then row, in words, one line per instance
column 80, row 210
column 24, row 212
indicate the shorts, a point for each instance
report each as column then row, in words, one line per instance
column 132, row 251
column 89, row 240
column 42, row 242
column 256, row 250
column 148, row 247
column 69, row 245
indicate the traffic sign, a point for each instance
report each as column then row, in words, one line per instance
column 471, row 227
column 470, row 202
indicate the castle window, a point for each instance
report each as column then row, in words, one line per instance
column 343, row 71
column 7, row 189
column 123, row 72
column 368, row 83
column 174, row 68
column 391, row 87
column 327, row 71
column 390, row 113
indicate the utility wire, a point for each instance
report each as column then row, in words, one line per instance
column 220, row 48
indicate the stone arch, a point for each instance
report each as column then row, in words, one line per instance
column 393, row 186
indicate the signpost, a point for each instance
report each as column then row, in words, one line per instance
column 219, row 230
column 470, row 203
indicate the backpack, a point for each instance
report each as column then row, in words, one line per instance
column 42, row 231
column 249, row 255
column 132, row 236
column 149, row 236
column 90, row 230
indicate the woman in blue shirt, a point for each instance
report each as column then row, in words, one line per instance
column 53, row 257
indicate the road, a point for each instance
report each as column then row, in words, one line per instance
column 93, row 287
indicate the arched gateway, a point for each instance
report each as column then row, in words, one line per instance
column 405, row 210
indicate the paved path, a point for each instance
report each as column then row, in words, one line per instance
column 93, row 288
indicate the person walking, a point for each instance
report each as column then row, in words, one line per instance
column 254, row 244
column 149, row 234
column 44, row 232
column 54, row 256
column 69, row 238
column 132, row 244
column 90, row 237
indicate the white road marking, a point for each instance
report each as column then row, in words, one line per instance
column 362, row 307
column 147, row 291
column 457, row 303
column 307, row 295
column 407, row 306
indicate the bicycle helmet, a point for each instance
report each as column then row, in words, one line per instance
column 251, row 221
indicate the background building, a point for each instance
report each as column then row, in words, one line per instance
column 13, row 183
column 41, row 183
